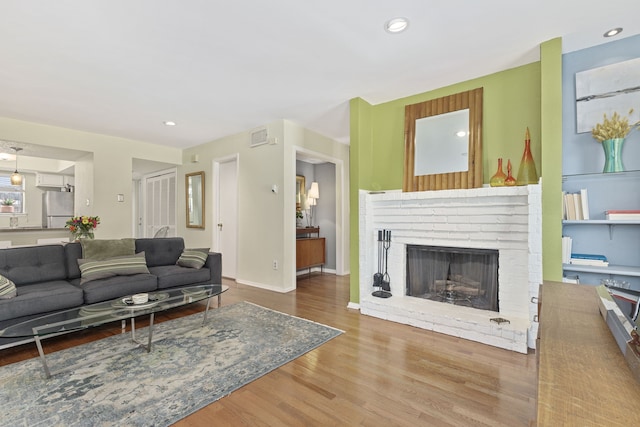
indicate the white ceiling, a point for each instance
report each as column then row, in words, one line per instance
column 122, row 67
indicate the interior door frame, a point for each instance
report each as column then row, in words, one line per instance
column 215, row 186
column 342, row 212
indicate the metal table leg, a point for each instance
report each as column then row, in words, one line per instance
column 47, row 373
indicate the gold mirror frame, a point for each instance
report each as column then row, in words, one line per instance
column 300, row 190
column 471, row 178
column 194, row 190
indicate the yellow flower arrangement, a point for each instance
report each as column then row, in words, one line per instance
column 615, row 127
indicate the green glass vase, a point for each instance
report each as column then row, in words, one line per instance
column 497, row 180
column 613, row 155
column 527, row 173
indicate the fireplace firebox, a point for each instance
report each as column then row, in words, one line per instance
column 459, row 276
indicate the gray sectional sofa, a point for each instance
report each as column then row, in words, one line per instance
column 48, row 278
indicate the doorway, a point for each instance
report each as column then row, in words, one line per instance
column 225, row 171
column 160, row 202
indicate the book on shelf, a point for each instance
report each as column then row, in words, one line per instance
column 566, row 249
column 597, row 257
column 584, row 200
column 578, row 205
column 589, row 259
column 591, row 262
column 622, row 215
column 571, row 207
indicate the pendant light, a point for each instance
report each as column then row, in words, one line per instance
column 16, row 178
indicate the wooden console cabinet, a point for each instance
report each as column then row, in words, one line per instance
column 310, row 251
column 583, row 378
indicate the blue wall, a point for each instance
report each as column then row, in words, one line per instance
column 582, row 153
column 582, row 163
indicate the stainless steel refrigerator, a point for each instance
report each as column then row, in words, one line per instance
column 57, row 208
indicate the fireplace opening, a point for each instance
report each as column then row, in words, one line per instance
column 460, row 276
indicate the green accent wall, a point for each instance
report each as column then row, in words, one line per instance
column 551, row 108
column 511, row 103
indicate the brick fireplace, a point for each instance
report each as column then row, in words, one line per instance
column 506, row 219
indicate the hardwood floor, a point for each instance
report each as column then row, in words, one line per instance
column 378, row 373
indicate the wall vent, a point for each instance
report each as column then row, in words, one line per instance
column 258, row 137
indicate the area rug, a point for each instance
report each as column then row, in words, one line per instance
column 189, row 367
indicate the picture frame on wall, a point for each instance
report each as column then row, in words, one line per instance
column 605, row 90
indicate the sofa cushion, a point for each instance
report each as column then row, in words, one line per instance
column 193, row 258
column 72, row 253
column 171, row 276
column 117, row 286
column 102, row 249
column 41, row 298
column 118, row 266
column 7, row 288
column 33, row 264
column 161, row 251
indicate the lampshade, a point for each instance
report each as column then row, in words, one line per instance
column 16, row 178
column 314, row 191
column 311, row 201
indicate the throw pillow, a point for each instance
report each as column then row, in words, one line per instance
column 7, row 288
column 193, row 258
column 119, row 266
column 102, row 249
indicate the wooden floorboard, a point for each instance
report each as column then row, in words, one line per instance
column 378, row 373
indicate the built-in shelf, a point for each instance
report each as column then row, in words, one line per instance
column 600, row 222
column 623, row 270
column 609, row 222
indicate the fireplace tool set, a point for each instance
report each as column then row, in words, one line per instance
column 380, row 280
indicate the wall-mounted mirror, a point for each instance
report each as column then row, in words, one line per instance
column 443, row 143
column 300, row 190
column 194, row 189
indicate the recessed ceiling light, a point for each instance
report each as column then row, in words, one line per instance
column 613, row 32
column 169, row 123
column 396, row 25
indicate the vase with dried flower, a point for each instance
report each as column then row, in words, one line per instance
column 612, row 133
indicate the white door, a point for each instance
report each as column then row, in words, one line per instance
column 160, row 202
column 226, row 185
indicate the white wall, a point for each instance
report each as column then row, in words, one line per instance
column 266, row 221
column 112, row 163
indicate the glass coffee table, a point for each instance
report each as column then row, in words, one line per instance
column 120, row 309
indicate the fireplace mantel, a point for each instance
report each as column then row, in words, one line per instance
column 508, row 219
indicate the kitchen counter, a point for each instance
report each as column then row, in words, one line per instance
column 38, row 228
column 29, row 235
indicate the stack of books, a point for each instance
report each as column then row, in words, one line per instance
column 589, row 259
column 575, row 206
column 623, row 215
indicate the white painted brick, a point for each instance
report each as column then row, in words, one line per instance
column 506, row 218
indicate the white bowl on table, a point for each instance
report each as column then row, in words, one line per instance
column 140, row 298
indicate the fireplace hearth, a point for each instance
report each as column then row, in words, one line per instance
column 506, row 220
column 460, row 276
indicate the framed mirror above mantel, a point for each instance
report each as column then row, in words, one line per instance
column 443, row 143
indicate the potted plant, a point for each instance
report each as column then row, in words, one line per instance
column 7, row 205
